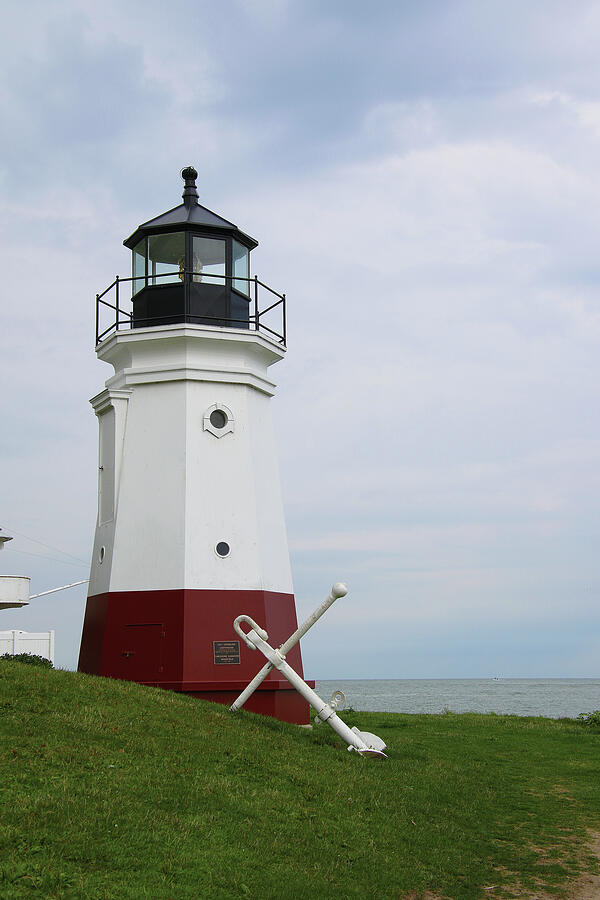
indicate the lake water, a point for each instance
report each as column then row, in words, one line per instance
column 552, row 697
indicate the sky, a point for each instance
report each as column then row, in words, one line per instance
column 424, row 181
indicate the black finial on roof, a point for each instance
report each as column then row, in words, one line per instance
column 190, row 193
column 189, row 215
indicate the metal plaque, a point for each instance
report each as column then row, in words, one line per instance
column 226, row 653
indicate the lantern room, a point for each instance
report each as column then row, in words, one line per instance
column 190, row 265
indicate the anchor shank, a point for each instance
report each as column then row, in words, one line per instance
column 324, row 711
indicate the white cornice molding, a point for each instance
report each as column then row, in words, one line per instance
column 218, row 374
column 103, row 401
column 190, row 353
column 192, row 333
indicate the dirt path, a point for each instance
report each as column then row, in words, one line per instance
column 586, row 887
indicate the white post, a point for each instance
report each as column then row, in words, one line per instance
column 338, row 590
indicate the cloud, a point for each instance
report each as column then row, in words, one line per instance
column 423, row 181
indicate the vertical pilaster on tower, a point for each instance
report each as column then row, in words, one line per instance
column 190, row 527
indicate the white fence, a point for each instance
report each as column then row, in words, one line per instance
column 39, row 643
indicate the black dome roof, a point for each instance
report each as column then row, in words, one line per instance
column 189, row 215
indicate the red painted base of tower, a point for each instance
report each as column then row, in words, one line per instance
column 184, row 641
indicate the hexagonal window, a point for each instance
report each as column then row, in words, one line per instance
column 218, row 420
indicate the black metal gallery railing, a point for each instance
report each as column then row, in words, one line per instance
column 121, row 314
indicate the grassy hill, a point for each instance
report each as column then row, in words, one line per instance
column 112, row 790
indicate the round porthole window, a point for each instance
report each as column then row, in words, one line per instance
column 218, row 418
column 101, row 554
column 223, row 549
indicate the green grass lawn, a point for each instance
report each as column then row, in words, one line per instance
column 112, row 790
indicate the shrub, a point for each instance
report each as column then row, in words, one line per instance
column 590, row 719
column 30, row 658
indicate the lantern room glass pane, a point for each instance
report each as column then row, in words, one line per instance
column 166, row 258
column 241, row 268
column 208, row 260
column 138, row 269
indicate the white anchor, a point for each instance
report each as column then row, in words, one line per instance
column 363, row 742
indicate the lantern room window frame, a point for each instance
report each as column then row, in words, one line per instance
column 141, row 280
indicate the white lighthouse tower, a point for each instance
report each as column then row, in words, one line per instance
column 190, row 528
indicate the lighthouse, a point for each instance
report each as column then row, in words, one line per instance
column 190, row 530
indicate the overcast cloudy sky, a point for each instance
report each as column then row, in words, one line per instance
column 424, row 179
